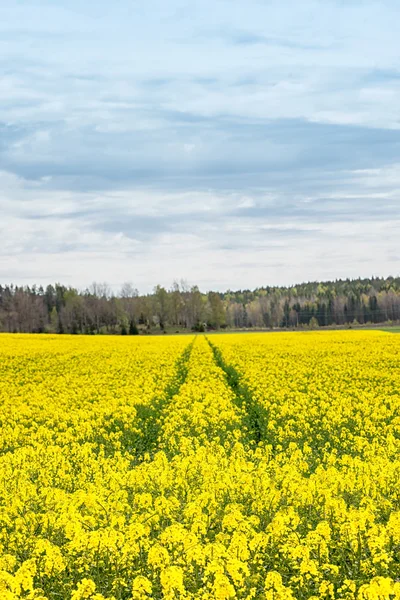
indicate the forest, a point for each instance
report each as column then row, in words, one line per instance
column 96, row 310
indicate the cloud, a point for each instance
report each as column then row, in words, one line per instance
column 148, row 149
column 212, row 238
column 183, row 152
column 248, row 38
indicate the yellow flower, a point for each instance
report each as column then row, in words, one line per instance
column 379, row 588
column 172, row 582
column 187, row 471
column 158, row 557
column 85, row 590
column 141, row 588
column 223, row 589
column 274, row 588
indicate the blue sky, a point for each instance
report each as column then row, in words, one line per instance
column 230, row 144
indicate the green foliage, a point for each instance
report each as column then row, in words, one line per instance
column 60, row 309
column 133, row 330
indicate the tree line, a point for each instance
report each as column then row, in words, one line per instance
column 61, row 309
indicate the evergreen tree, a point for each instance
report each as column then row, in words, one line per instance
column 133, row 330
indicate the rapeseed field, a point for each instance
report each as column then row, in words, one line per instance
column 249, row 466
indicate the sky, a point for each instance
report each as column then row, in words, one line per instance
column 232, row 144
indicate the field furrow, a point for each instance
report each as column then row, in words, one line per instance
column 144, row 437
column 255, row 414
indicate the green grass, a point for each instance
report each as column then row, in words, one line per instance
column 391, row 329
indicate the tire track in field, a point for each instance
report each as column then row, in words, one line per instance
column 256, row 416
column 148, row 416
column 143, row 437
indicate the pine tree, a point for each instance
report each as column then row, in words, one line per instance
column 133, row 330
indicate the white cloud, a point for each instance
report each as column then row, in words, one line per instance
column 215, row 240
column 144, row 141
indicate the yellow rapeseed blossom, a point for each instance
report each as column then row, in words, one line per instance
column 257, row 467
